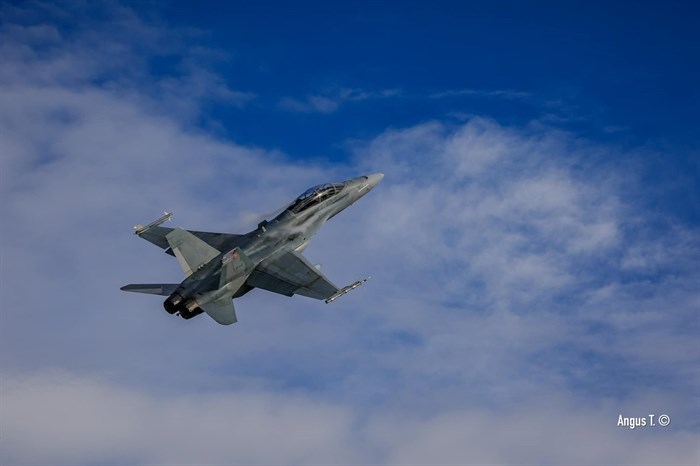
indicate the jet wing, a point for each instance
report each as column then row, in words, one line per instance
column 289, row 273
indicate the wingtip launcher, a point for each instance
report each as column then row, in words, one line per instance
column 346, row 290
column 140, row 229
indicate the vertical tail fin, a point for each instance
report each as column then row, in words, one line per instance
column 190, row 251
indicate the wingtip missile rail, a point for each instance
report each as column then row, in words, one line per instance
column 346, row 290
column 140, row 229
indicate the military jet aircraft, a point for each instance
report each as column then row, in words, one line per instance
column 221, row 266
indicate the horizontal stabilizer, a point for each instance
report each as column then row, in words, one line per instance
column 221, row 311
column 161, row 289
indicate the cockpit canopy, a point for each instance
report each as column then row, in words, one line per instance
column 315, row 195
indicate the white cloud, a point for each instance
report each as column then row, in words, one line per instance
column 521, row 298
column 118, row 54
column 85, row 420
column 81, row 420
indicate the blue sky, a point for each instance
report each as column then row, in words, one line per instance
column 605, row 66
column 534, row 244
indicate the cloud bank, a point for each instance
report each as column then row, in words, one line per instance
column 86, row 420
column 524, row 294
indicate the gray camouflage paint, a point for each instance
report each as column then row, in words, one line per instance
column 267, row 257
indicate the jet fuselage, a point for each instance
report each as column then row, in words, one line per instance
column 289, row 231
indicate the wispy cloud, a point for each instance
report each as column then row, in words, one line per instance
column 497, row 93
column 313, row 103
column 119, row 54
column 329, row 103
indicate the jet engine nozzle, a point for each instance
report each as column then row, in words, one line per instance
column 172, row 303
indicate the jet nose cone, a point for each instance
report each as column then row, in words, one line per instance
column 374, row 179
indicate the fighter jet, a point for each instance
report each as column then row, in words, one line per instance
column 220, row 267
